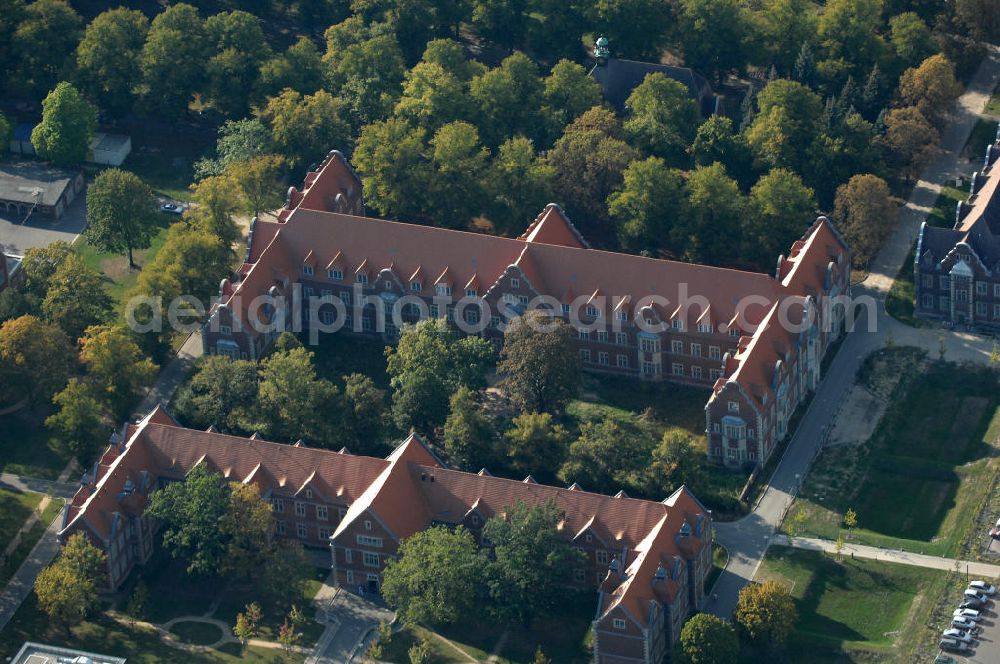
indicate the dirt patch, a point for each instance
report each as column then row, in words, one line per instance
column 858, row 417
column 116, row 268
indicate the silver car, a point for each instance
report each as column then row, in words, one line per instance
column 983, row 587
column 966, row 624
column 971, row 614
column 951, row 645
column 957, row 634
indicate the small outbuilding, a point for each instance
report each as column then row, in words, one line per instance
column 34, row 187
column 109, row 149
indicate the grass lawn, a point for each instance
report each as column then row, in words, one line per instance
column 28, row 448
column 918, row 483
column 173, row 593
column 15, row 508
column 982, row 135
column 942, row 215
column 103, row 635
column 720, row 557
column 851, row 608
column 198, row 633
column 900, row 301
column 28, row 541
column 993, row 105
column 118, row 278
column 564, row 636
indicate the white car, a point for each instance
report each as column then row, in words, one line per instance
column 951, row 645
column 957, row 634
column 983, row 587
column 971, row 614
column 966, row 624
column 972, row 593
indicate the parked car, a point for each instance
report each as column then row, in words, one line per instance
column 172, row 208
column 971, row 614
column 945, row 659
column 983, row 587
column 966, row 624
column 971, row 603
column 975, row 594
column 957, row 634
column 951, row 645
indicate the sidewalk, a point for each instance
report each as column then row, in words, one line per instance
column 172, row 375
column 24, row 579
column 890, row 555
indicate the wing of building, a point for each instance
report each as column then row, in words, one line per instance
column 646, row 560
column 756, row 340
column 957, row 270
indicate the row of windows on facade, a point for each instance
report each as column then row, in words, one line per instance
column 944, row 283
column 734, row 453
column 944, row 304
column 650, row 368
column 445, row 290
column 653, row 345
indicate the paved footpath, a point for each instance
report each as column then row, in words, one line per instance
column 890, row 555
column 747, row 539
column 172, row 375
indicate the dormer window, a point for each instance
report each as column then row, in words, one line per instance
column 442, row 289
column 734, row 331
column 515, row 282
column 471, row 292
column 621, row 315
column 734, row 407
column 336, row 275
column 307, row 270
column 588, row 537
column 705, row 328
column 677, row 324
column 619, row 623
column 593, row 312
column 565, row 309
column 362, row 278
column 415, row 286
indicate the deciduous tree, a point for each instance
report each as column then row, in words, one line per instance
column 79, row 421
column 173, row 60
column 662, row 118
column 68, row 123
column 715, row 206
column 519, row 182
column 766, row 613
column 706, row 639
column 391, row 157
column 300, row 68
column 459, row 162
column 650, row 207
column 713, row 34
column 931, row 87
column 609, row 455
column 531, row 560
column 468, row 432
column 262, row 182
column 43, row 43
column 865, row 214
column 219, row 394
column 539, row 363
column 506, row 99
column 75, row 298
column 116, row 368
column 435, row 576
column 910, row 139
column 35, row 357
column 108, row 59
column 780, row 208
column 303, row 129
column 568, row 92
column 292, row 401
column 537, row 444
column 237, row 48
column 911, row 37
column 120, row 213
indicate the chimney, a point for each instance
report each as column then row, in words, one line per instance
column 777, row 269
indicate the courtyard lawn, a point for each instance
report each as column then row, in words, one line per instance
column 853, row 609
column 564, row 636
column 28, row 540
column 982, row 135
column 942, row 215
column 28, row 448
column 920, row 480
column 15, row 508
column 340, row 354
column 900, row 302
column 118, row 278
column 140, row 645
column 196, row 633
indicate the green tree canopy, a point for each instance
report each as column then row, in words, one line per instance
column 120, row 213
column 931, row 87
column 713, row 35
column 610, row 455
column 539, row 363
column 911, row 38
column 68, row 123
column 238, row 49
column 390, row 156
column 568, row 92
column 706, row 639
column 303, row 129
column 293, row 402
column 779, row 209
column 365, row 68
column 190, row 514
column 79, row 422
column 650, row 207
column 865, row 214
column 67, row 589
column 173, row 59
column 75, row 298
column 459, row 162
column 506, row 99
column 300, row 68
column 662, row 118
column 536, row 444
column 108, row 59
column 531, row 560
column 427, row 366
column 116, row 367
column 435, row 576
column 468, row 432
column 715, row 206
column 716, row 141
column 519, row 183
column 784, row 26
column 43, row 43
column 219, row 394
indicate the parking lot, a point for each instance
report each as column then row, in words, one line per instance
column 39, row 231
column 986, row 644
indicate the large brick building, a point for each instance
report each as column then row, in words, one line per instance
column 957, row 270
column 647, row 560
column 636, row 316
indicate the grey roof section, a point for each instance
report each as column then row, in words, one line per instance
column 38, row 653
column 19, row 180
column 112, row 142
column 619, row 77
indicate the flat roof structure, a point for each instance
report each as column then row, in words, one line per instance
column 21, row 181
column 39, row 653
